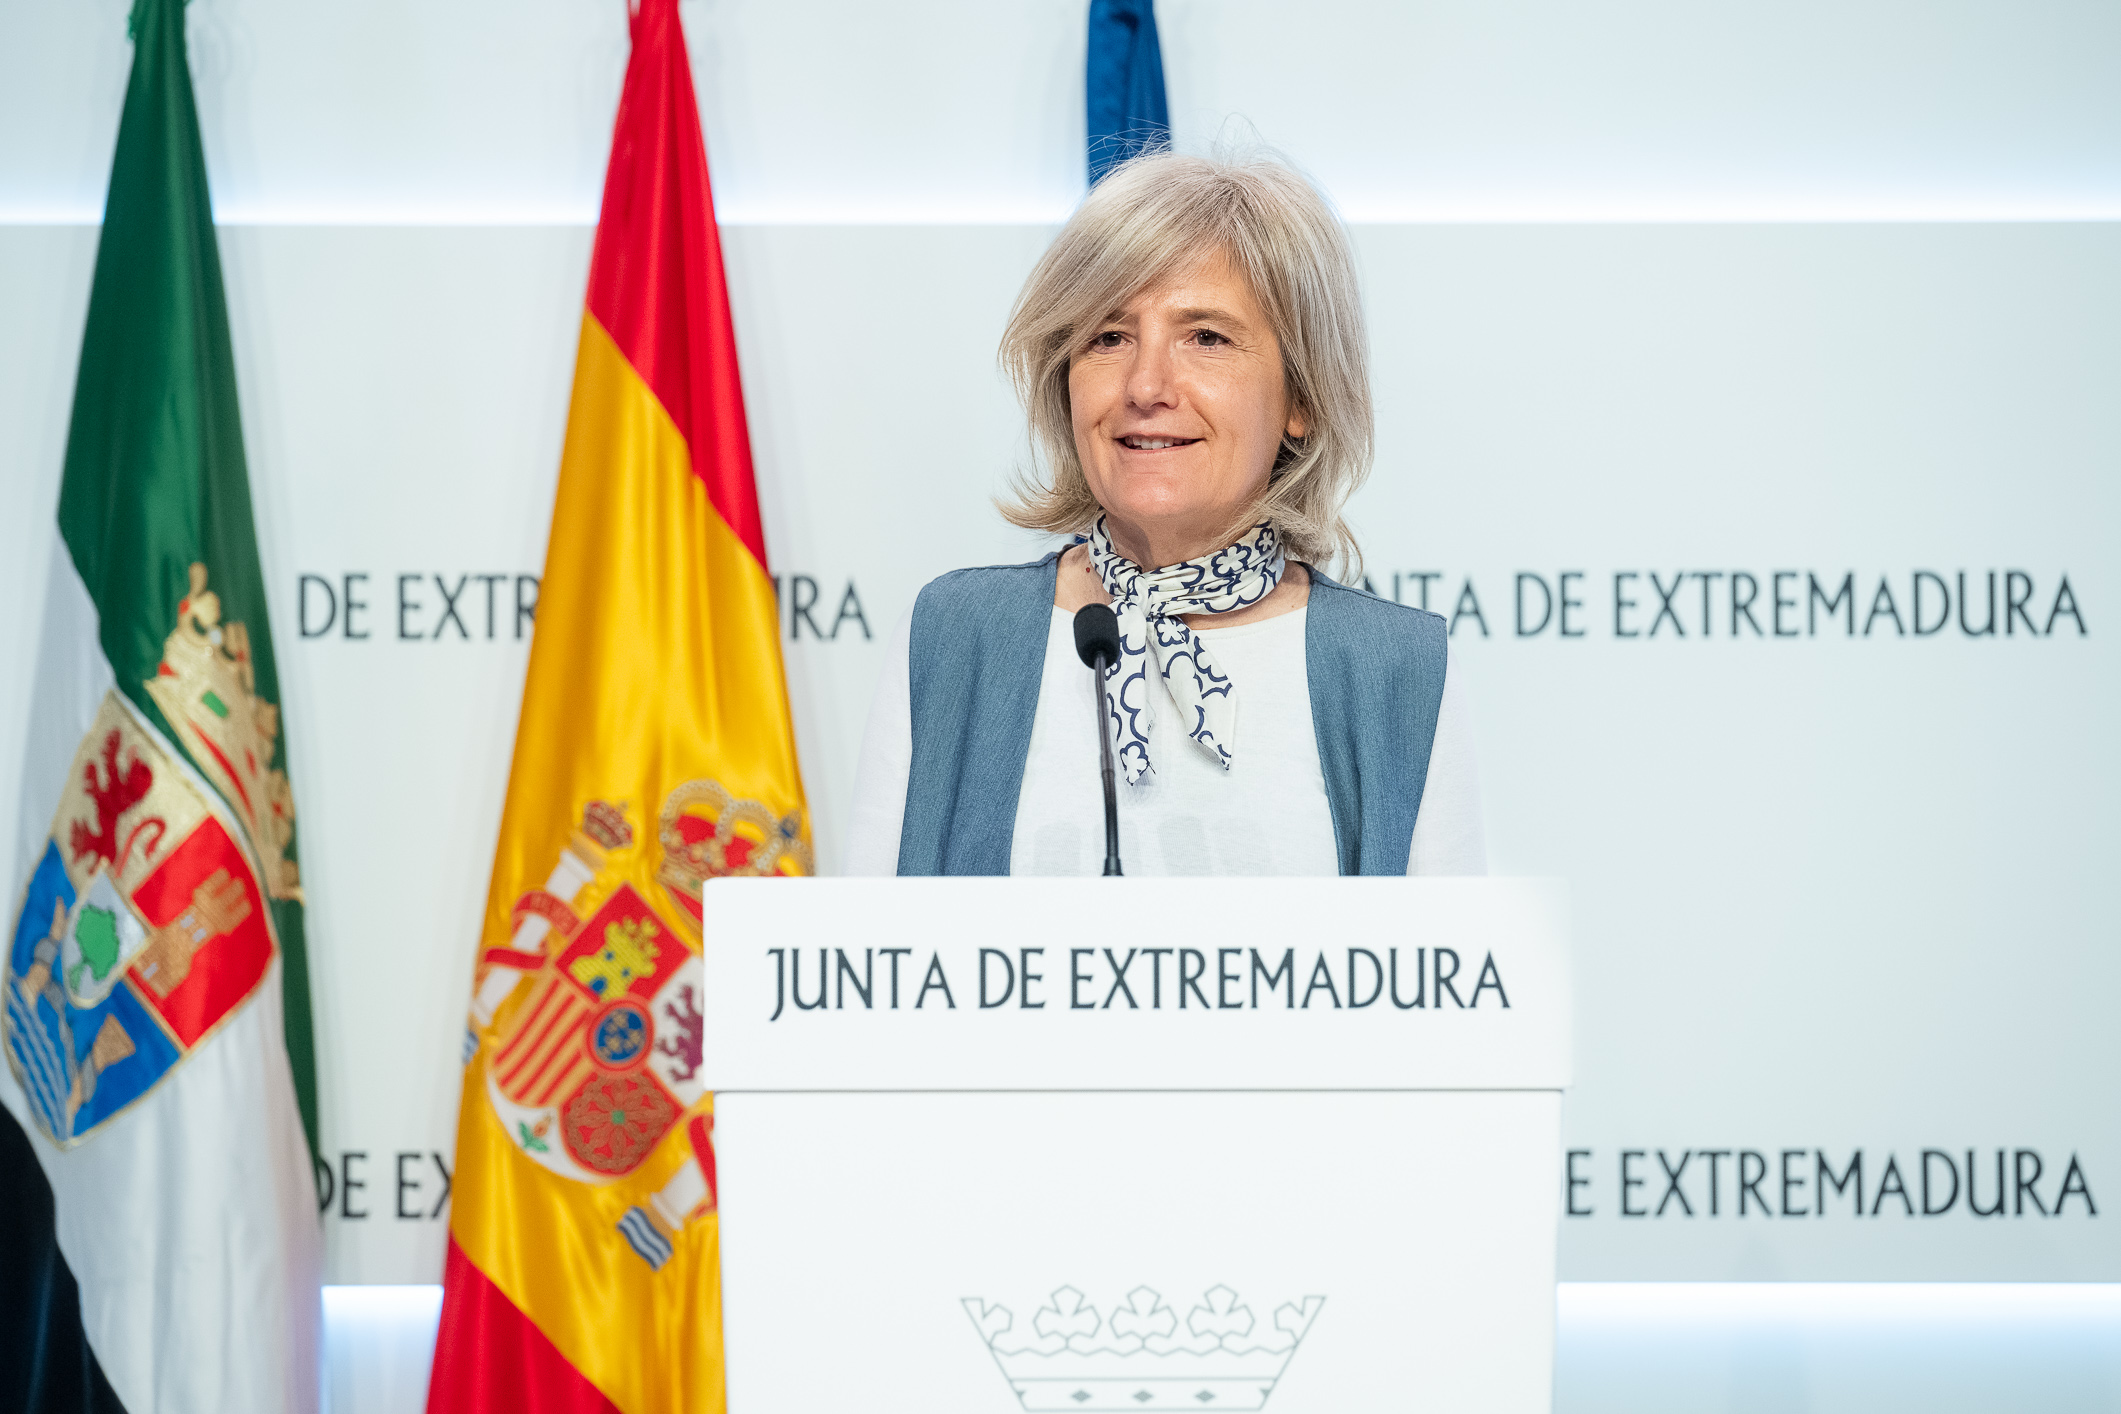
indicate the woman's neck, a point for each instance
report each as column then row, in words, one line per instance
column 1155, row 549
column 1075, row 584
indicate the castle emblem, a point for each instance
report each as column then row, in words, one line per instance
column 1139, row 1355
column 143, row 927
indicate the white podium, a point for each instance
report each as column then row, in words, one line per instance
column 1120, row 1144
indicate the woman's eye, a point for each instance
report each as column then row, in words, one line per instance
column 1208, row 338
column 1110, row 339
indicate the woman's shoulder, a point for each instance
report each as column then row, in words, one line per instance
column 1372, row 612
column 982, row 584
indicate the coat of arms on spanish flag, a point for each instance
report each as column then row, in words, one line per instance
column 654, row 752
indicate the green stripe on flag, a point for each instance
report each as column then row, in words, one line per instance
column 155, row 476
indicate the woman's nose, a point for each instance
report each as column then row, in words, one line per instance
column 1149, row 380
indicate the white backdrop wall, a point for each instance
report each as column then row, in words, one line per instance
column 1835, row 890
column 970, row 110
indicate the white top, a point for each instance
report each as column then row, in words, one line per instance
column 1267, row 814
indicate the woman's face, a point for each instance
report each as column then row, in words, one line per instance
column 1179, row 407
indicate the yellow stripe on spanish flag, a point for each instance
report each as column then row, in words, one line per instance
column 656, row 649
column 654, row 751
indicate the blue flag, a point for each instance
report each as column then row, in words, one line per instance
column 1124, row 84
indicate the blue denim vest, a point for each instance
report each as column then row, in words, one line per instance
column 978, row 653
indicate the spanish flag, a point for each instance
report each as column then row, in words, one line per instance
column 654, row 752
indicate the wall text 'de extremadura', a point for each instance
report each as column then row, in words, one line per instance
column 472, row 606
column 1134, row 979
column 1677, row 1184
column 1763, row 604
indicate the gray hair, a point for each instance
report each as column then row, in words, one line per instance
column 1151, row 218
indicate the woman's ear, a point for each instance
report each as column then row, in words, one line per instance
column 1299, row 425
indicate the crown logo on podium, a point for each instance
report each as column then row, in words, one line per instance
column 1140, row 1355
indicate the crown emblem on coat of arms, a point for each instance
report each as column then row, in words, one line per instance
column 707, row 833
column 1140, row 1354
column 206, row 686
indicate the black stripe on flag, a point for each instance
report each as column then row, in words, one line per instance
column 46, row 1365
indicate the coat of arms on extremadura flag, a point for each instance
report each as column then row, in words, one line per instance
column 596, row 1051
column 144, row 924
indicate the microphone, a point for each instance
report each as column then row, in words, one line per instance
column 1097, row 644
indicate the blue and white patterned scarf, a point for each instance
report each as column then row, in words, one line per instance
column 1149, row 604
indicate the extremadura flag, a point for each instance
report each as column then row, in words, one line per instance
column 654, row 752
column 156, row 1190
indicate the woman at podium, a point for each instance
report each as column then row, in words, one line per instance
column 1192, row 359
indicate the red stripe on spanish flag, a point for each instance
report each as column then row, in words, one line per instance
column 520, row 1370
column 654, row 752
column 656, row 282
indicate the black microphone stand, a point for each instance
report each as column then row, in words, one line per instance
column 1104, row 764
column 1097, row 644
